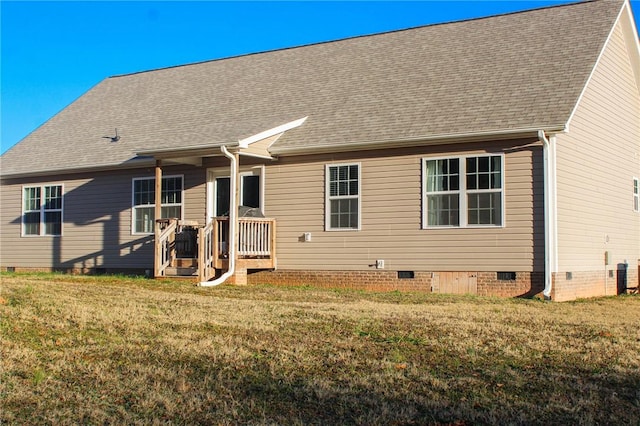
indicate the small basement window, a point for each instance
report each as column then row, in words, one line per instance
column 506, row 276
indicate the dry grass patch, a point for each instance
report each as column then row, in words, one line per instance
column 120, row 350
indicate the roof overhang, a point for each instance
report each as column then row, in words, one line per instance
column 134, row 163
column 194, row 154
column 442, row 139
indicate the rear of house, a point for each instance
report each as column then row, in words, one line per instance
column 399, row 230
column 374, row 167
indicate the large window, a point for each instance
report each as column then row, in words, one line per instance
column 42, row 210
column 342, row 197
column 463, row 191
column 636, row 194
column 144, row 202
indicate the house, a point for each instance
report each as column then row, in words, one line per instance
column 496, row 156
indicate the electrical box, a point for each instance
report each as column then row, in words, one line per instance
column 379, row 264
column 307, row 237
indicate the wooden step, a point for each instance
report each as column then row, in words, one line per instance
column 181, row 271
column 186, row 262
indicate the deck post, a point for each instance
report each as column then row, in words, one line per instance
column 202, row 275
column 158, row 214
column 240, row 276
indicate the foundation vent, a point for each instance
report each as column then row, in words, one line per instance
column 404, row 275
column 506, row 276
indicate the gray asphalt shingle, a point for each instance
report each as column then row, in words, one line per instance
column 515, row 71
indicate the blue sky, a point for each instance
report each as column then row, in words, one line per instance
column 53, row 52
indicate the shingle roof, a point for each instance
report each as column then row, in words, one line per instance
column 516, row 71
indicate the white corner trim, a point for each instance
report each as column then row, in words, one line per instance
column 244, row 143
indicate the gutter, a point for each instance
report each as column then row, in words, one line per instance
column 441, row 139
column 233, row 219
column 550, row 212
column 134, row 163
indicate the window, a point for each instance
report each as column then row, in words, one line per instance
column 484, row 190
column 342, row 197
column 636, row 195
column 443, row 192
column 144, row 202
column 42, row 207
column 463, row 191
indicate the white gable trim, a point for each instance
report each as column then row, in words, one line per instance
column 244, row 143
column 634, row 49
column 595, row 66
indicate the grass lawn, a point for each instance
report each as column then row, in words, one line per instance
column 114, row 350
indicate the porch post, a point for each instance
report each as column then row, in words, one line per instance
column 157, row 214
column 240, row 275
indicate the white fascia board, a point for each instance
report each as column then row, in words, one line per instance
column 201, row 150
column 244, row 143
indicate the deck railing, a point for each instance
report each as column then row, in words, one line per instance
column 206, row 252
column 255, row 245
column 256, row 237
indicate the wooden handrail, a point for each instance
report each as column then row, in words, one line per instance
column 165, row 245
column 207, row 251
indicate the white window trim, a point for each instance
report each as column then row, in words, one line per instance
column 215, row 173
column 636, row 194
column 462, row 191
column 61, row 210
column 458, row 192
column 328, row 198
column 133, row 206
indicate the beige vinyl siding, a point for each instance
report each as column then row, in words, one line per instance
column 97, row 221
column 391, row 215
column 596, row 162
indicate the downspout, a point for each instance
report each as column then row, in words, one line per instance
column 233, row 213
column 550, row 234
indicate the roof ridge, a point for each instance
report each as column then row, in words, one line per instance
column 318, row 43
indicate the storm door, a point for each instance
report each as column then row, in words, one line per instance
column 250, row 192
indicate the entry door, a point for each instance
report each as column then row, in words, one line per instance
column 251, row 190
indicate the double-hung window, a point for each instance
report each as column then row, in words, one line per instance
column 144, row 202
column 636, row 194
column 342, row 197
column 42, row 210
column 443, row 192
column 463, row 191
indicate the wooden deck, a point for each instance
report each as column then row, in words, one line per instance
column 186, row 248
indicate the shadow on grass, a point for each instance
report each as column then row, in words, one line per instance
column 258, row 393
